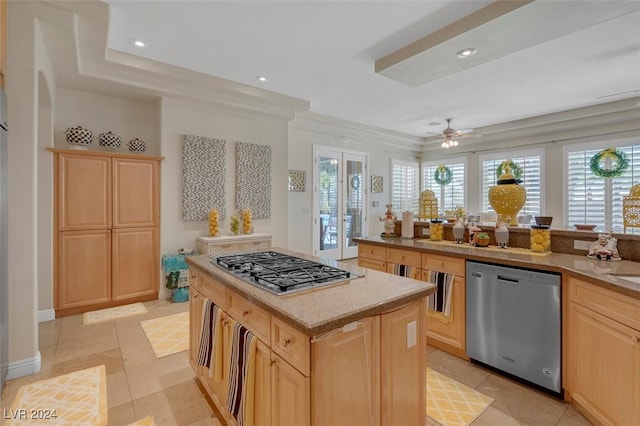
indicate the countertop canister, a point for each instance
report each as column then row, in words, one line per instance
column 407, row 224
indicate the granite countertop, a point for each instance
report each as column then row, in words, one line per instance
column 326, row 308
column 605, row 274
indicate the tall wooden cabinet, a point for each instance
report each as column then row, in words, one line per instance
column 106, row 220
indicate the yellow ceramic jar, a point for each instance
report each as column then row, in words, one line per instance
column 540, row 238
column 507, row 197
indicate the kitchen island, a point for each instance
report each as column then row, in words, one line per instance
column 600, row 311
column 347, row 353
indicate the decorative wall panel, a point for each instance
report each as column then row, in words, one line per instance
column 203, row 176
column 253, row 179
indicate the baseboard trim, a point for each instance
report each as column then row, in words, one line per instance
column 24, row 367
column 46, row 315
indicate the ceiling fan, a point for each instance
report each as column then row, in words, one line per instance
column 450, row 136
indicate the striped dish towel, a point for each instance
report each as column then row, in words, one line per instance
column 405, row 271
column 210, row 347
column 439, row 303
column 242, row 375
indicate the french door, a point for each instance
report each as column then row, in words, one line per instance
column 339, row 201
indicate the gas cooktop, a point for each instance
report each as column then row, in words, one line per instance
column 280, row 273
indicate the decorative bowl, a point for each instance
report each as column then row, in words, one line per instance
column 481, row 239
column 109, row 140
column 136, row 145
column 79, row 137
column 543, row 220
column 584, row 227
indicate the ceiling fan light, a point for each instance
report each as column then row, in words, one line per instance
column 445, row 144
column 455, row 143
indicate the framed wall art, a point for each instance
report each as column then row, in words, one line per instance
column 376, row 183
column 297, row 181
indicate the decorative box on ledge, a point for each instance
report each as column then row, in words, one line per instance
column 255, row 241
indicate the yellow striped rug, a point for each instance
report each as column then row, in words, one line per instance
column 168, row 335
column 74, row 399
column 103, row 315
column 147, row 421
column 451, row 403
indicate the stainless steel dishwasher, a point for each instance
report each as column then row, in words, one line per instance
column 513, row 322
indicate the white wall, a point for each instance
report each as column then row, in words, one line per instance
column 303, row 135
column 128, row 118
column 179, row 117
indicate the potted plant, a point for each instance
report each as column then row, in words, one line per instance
column 481, row 239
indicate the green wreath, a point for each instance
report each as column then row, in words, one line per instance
column 516, row 170
column 443, row 175
column 619, row 157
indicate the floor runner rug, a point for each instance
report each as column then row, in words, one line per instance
column 451, row 403
column 102, row 315
column 169, row 334
column 74, row 399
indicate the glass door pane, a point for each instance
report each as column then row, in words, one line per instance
column 354, row 190
column 328, row 201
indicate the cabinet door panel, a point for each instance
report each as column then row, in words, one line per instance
column 84, row 192
column 606, row 367
column 135, row 262
column 84, row 275
column 403, row 366
column 262, row 404
column 452, row 333
column 290, row 393
column 344, row 391
column 136, row 193
column 195, row 328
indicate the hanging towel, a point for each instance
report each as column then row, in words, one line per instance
column 439, row 303
column 405, row 271
column 242, row 375
column 211, row 340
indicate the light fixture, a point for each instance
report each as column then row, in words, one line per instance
column 262, row 78
column 139, row 43
column 465, row 53
column 449, row 143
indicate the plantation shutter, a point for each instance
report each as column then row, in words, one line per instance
column 452, row 195
column 404, row 186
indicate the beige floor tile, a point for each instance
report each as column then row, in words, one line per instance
column 177, row 405
column 159, row 374
column 136, row 355
column 111, row 359
column 456, row 368
column 117, row 389
column 48, row 332
column 76, row 342
column 207, row 421
column 430, row 350
column 174, row 308
column 122, row 415
column 494, row 417
column 521, row 402
column 572, row 417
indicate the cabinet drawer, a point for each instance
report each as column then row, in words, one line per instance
column 608, row 303
column 450, row 265
column 404, row 257
column 213, row 291
column 194, row 278
column 378, row 265
column 218, row 247
column 256, row 245
column 253, row 317
column 372, row 252
column 292, row 345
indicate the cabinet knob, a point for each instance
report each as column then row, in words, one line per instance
column 286, row 342
column 245, row 312
column 636, row 339
column 272, row 362
column 225, row 322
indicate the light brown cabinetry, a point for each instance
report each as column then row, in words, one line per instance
column 106, row 218
column 449, row 335
column 372, row 257
column 603, row 353
column 338, row 376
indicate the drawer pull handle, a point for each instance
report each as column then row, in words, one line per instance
column 245, row 312
column 272, row 363
column 286, row 342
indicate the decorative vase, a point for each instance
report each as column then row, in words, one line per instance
column 136, row 145
column 458, row 232
column 78, row 137
column 213, row 223
column 109, row 140
column 246, row 221
column 507, row 197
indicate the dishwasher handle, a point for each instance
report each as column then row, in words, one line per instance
column 508, row 280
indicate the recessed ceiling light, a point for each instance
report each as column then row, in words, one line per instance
column 262, row 78
column 139, row 43
column 465, row 53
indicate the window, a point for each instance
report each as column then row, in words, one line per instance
column 405, row 186
column 532, row 172
column 592, row 199
column 449, row 196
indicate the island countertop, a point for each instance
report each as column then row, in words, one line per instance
column 326, row 308
column 605, row 274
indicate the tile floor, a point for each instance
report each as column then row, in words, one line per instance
column 138, row 384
